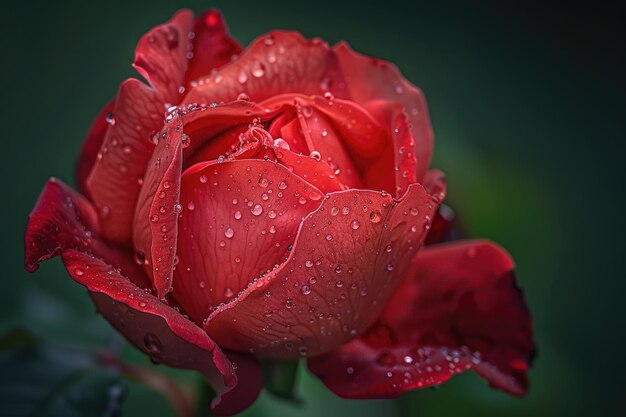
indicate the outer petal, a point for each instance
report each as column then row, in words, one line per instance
column 161, row 55
column 370, row 79
column 91, row 146
column 116, row 177
column 156, row 226
column 65, row 223
column 249, row 212
column 458, row 308
column 347, row 259
column 63, row 220
column 212, row 46
column 277, row 63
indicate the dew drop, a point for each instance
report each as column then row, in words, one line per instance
column 355, row 224
column 315, row 155
column 79, row 272
column 257, row 210
column 258, row 69
column 305, row 289
column 237, row 215
column 185, row 140
column 229, row 233
column 375, row 216
column 110, row 119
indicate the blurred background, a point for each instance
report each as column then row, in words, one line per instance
column 527, row 103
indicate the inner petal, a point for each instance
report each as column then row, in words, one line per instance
column 239, row 220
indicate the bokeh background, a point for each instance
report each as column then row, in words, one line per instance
column 527, row 103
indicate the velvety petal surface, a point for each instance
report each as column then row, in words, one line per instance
column 457, row 308
column 347, row 259
column 240, row 219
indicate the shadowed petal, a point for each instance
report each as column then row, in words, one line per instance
column 457, row 308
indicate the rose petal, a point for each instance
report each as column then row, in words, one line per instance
column 155, row 226
column 114, row 181
column 457, row 308
column 91, row 146
column 446, row 227
column 370, row 79
column 404, row 165
column 212, row 45
column 348, row 257
column 164, row 334
column 63, row 220
column 277, row 63
column 161, row 55
column 249, row 211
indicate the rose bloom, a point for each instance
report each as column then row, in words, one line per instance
column 275, row 202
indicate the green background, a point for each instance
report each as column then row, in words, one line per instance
column 527, row 104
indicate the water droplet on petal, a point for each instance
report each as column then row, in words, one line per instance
column 110, row 119
column 355, row 224
column 229, row 233
column 375, row 216
column 257, row 210
column 258, row 69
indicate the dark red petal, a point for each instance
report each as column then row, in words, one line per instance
column 116, row 176
column 347, row 259
column 239, row 219
column 446, row 227
column 370, row 79
column 164, row 334
column 457, row 308
column 156, row 227
column 91, row 146
column 212, row 45
column 277, row 63
column 161, row 55
column 63, row 220
column 403, row 161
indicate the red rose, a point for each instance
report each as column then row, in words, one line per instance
column 271, row 202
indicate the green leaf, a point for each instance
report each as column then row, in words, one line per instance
column 42, row 380
column 280, row 378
